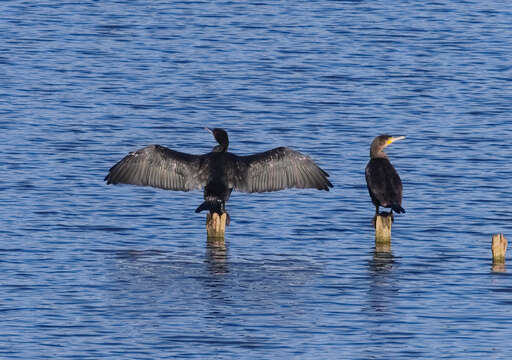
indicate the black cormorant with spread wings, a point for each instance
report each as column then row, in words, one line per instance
column 219, row 172
column 384, row 184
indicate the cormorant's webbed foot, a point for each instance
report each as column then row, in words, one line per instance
column 384, row 214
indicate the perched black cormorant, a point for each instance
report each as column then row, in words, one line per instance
column 384, row 184
column 218, row 171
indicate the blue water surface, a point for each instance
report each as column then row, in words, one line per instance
column 90, row 271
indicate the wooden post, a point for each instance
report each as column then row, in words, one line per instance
column 499, row 251
column 382, row 223
column 382, row 246
column 216, row 225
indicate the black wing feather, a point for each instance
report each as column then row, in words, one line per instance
column 384, row 184
column 160, row 167
column 278, row 169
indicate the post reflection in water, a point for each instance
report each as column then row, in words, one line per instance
column 382, row 261
column 498, row 268
column 216, row 256
column 383, row 285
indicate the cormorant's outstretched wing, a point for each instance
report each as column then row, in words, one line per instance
column 160, row 167
column 384, row 184
column 279, row 169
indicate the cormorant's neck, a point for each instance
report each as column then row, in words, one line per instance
column 221, row 136
column 220, row 148
column 377, row 153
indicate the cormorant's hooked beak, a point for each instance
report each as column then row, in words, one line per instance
column 209, row 130
column 393, row 139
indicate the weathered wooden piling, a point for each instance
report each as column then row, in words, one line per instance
column 216, row 225
column 499, row 251
column 382, row 223
column 383, row 246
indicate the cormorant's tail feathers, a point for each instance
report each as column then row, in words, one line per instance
column 398, row 208
column 213, row 206
column 206, row 205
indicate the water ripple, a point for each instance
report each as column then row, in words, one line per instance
column 96, row 271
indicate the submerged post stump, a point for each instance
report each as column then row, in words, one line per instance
column 382, row 224
column 216, row 225
column 499, row 250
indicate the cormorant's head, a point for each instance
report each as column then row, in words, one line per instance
column 382, row 141
column 222, row 138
